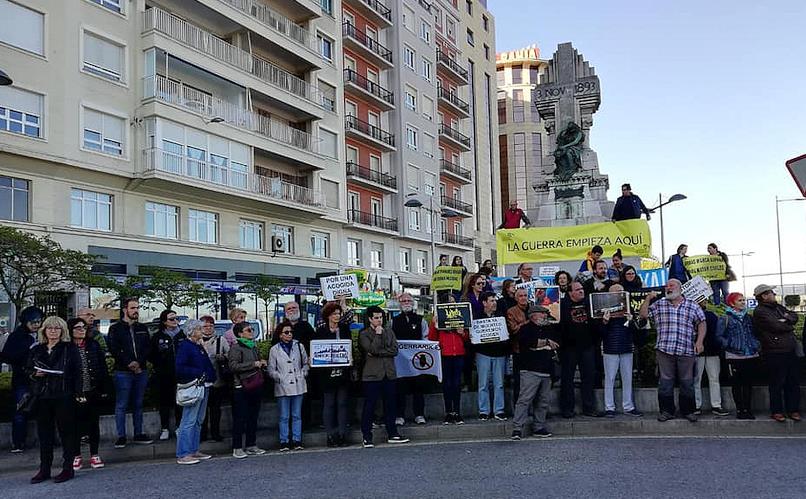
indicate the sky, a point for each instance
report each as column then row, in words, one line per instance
column 703, row 98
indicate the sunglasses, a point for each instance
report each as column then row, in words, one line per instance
column 171, row 319
column 79, row 328
column 287, row 331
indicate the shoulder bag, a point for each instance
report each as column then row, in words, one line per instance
column 190, row 393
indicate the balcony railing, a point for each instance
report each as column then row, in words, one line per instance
column 370, row 86
column 275, row 21
column 364, row 218
column 381, row 9
column 454, row 134
column 176, row 93
column 230, row 175
column 455, row 169
column 365, row 173
column 453, row 65
column 454, row 99
column 209, row 44
column 353, row 123
column 348, row 29
column 457, row 239
column 456, row 204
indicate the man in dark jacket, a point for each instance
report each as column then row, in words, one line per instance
column 598, row 283
column 578, row 339
column 409, row 325
column 162, row 354
column 629, row 206
column 15, row 353
column 129, row 345
column 775, row 327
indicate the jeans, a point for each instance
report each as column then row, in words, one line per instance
column 51, row 414
column 413, row 386
column 212, row 422
column 129, row 388
column 569, row 359
column 19, row 424
column 534, row 387
column 452, row 382
column 245, row 411
column 373, row 390
column 334, row 411
column 491, row 367
column 741, row 373
column 88, row 422
column 720, row 288
column 711, row 365
column 290, row 408
column 673, row 367
column 783, row 370
column 166, row 389
column 621, row 364
column 188, row 434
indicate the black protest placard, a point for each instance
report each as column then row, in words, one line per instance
column 614, row 302
column 453, row 316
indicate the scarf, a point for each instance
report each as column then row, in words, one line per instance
column 172, row 332
column 287, row 347
column 739, row 314
column 247, row 343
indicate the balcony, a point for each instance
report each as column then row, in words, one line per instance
column 369, row 47
column 369, row 133
column 382, row 97
column 373, row 10
column 371, row 178
column 460, row 207
column 206, row 175
column 455, row 171
column 457, row 138
column 458, row 105
column 456, row 72
column 293, row 89
column 372, row 220
column 456, row 240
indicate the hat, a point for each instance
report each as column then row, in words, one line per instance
column 762, row 288
column 538, row 309
column 207, row 318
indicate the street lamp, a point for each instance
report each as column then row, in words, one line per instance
column 5, row 79
column 743, row 254
column 661, row 204
column 778, row 228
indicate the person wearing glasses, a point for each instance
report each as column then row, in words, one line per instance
column 288, row 367
column 247, row 369
column 54, row 367
column 15, row 354
column 94, row 388
column 164, row 345
column 88, row 315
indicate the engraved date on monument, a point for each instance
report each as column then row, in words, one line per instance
column 579, row 88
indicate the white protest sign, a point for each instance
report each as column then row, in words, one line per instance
column 489, row 330
column 416, row 357
column 549, row 270
column 331, row 353
column 336, row 287
column 697, row 289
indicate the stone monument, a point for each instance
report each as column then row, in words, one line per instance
column 570, row 190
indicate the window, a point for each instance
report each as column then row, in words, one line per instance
column 422, row 262
column 14, row 195
column 103, row 58
column 437, row 16
column 162, row 220
column 425, row 31
column 286, row 233
column 502, row 108
column 375, row 163
column 470, row 40
column 537, row 150
column 517, row 74
column 517, row 106
column 429, row 183
column 376, row 255
column 354, row 252
column 534, row 73
column 202, row 227
column 499, row 77
column 20, row 111
column 251, row 235
column 534, row 115
column 519, row 165
column 113, row 5
column 411, row 138
column 320, row 244
column 486, row 52
column 22, row 27
column 427, row 219
column 409, row 57
column 469, row 6
column 328, row 93
column 405, row 260
column 328, row 144
column 327, row 6
column 413, row 177
column 330, row 191
column 428, row 145
column 450, row 28
column 325, row 47
column 427, row 71
column 90, row 210
column 414, row 219
column 103, row 132
column 485, row 23
column 410, row 98
column 408, row 18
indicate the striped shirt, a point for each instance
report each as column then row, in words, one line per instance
column 676, row 325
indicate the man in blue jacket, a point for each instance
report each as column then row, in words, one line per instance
column 629, row 206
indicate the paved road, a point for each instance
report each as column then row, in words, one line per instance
column 580, row 468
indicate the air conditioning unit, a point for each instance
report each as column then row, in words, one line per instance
column 277, row 244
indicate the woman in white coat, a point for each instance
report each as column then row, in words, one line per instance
column 288, row 367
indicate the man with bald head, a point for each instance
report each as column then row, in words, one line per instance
column 681, row 331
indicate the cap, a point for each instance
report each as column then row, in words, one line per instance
column 207, row 318
column 762, row 288
column 538, row 308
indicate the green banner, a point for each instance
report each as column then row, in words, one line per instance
column 447, row 277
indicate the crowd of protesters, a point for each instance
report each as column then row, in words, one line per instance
column 60, row 376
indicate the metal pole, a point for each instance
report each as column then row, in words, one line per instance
column 662, row 241
column 780, row 263
column 433, row 249
column 744, row 281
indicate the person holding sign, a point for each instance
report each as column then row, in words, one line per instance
column 491, row 362
column 452, row 351
column 677, row 269
column 618, row 333
column 721, row 286
column 334, row 381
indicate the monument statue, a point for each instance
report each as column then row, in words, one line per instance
column 568, row 155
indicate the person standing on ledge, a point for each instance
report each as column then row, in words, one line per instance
column 513, row 217
column 629, row 206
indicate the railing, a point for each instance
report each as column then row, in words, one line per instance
column 350, row 30
column 359, row 171
column 453, row 65
column 425, row 5
column 456, row 239
column 454, row 134
column 455, row 169
column 382, row 10
column 456, row 204
column 279, row 189
column 173, row 92
column 179, row 164
column 364, row 218
column 370, row 86
column 353, row 123
column 207, row 43
column 454, row 99
column 276, row 21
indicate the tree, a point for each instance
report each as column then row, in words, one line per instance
column 265, row 289
column 30, row 263
column 792, row 301
column 167, row 288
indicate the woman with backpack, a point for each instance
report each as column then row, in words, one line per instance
column 288, row 367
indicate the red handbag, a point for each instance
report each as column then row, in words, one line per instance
column 253, row 382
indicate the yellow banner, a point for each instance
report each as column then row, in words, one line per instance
column 710, row 267
column 447, row 277
column 551, row 244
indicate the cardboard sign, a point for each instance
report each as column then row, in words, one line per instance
column 615, row 302
column 697, row 289
column 336, row 287
column 453, row 316
column 447, row 277
column 331, row 353
column 416, row 357
column 489, row 330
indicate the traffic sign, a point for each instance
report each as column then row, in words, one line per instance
column 797, row 168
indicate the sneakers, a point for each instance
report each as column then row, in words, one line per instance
column 238, row 453
column 78, row 462
column 610, row 414
column 542, row 433
column 142, row 439
column 457, row 419
column 120, row 443
column 484, row 417
column 448, row 419
column 635, row 413
column 400, row 421
column 692, row 418
column 255, row 451
column 794, row 416
column 419, row 420
column 500, row 417
column 397, row 439
column 17, row 450
column 665, row 416
column 188, row 460
column 778, row 417
column 285, row 447
column 201, row 456
column 96, row 462
column 718, row 411
column 296, row 445
column 165, row 434
column 64, row 476
column 516, row 435
column 698, row 412
column 367, row 444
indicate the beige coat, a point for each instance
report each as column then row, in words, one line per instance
column 288, row 372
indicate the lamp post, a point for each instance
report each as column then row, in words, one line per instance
column 744, row 282
column 778, row 229
column 661, row 204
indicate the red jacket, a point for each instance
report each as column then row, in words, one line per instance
column 450, row 341
column 512, row 219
